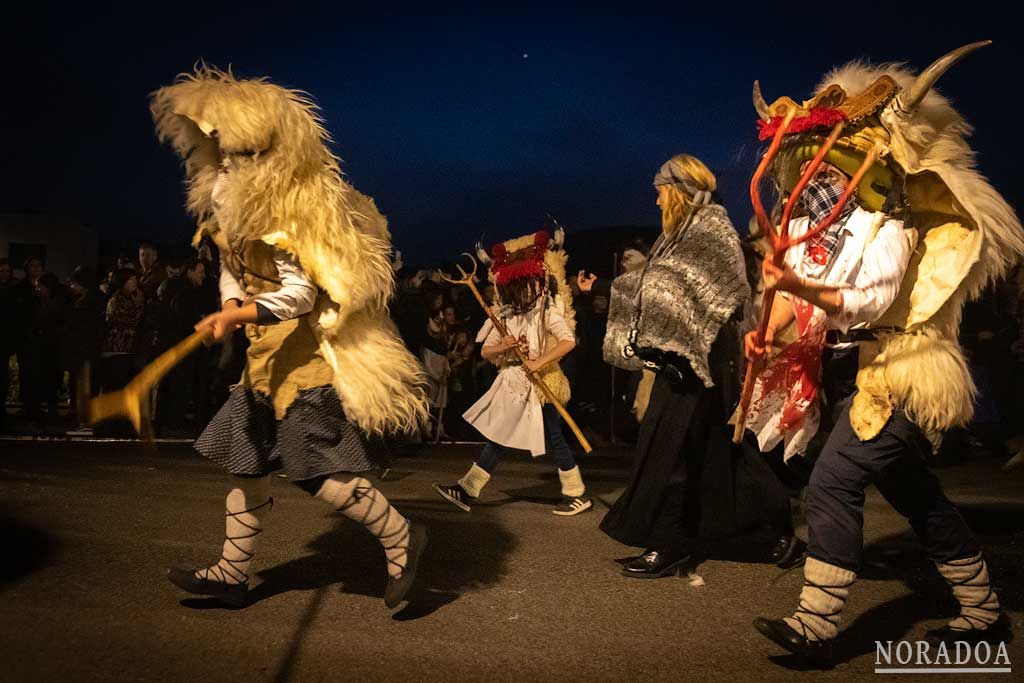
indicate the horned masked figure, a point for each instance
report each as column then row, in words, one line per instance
column 535, row 306
column 305, row 268
column 887, row 230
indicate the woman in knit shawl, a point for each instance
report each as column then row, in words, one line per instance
column 674, row 316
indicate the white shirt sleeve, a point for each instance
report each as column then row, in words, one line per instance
column 488, row 335
column 878, row 280
column 230, row 288
column 297, row 294
column 557, row 326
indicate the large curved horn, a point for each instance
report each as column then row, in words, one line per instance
column 482, row 254
column 760, row 105
column 908, row 101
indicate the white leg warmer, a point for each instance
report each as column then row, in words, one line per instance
column 821, row 600
column 572, row 482
column 475, row 480
column 979, row 606
column 245, row 509
column 360, row 501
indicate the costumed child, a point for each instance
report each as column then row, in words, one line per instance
column 534, row 303
column 305, row 268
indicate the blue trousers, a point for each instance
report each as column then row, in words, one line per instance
column 554, row 444
column 895, row 461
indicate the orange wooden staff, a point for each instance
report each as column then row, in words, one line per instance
column 780, row 240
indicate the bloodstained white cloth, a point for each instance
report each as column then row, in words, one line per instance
column 867, row 265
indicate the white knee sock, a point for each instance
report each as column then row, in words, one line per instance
column 246, row 506
column 475, row 480
column 979, row 606
column 572, row 482
column 821, row 600
column 360, row 501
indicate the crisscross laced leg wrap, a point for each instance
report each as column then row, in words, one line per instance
column 244, row 510
column 821, row 600
column 979, row 605
column 360, row 501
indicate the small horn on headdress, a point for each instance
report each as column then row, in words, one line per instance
column 559, row 240
column 760, row 105
column 907, row 102
column 482, row 254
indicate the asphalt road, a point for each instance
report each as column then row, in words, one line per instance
column 510, row 591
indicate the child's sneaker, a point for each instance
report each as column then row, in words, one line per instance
column 572, row 505
column 454, row 494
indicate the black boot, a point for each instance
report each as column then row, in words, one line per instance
column 396, row 590
column 820, row 652
column 788, row 552
column 999, row 632
column 231, row 594
column 654, row 564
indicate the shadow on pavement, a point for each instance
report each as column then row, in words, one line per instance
column 27, row 549
column 464, row 552
column 550, row 491
column 794, row 663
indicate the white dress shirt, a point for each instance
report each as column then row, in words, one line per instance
column 296, row 296
column 867, row 265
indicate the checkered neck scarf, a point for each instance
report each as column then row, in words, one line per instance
column 819, row 198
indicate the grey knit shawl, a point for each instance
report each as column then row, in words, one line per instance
column 689, row 292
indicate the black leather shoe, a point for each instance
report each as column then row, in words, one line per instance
column 654, row 564
column 789, row 552
column 820, row 652
column 999, row 632
column 396, row 590
column 231, row 594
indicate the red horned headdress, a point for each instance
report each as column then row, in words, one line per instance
column 510, row 261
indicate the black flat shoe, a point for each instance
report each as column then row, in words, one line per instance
column 396, row 590
column 999, row 632
column 789, row 552
column 231, row 594
column 655, row 565
column 821, row 652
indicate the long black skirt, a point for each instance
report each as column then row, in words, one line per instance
column 689, row 481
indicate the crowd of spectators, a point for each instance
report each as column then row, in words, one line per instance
column 112, row 326
column 117, row 323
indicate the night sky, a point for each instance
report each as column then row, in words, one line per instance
column 466, row 123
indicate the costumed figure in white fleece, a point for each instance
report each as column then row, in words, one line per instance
column 892, row 231
column 305, row 268
column 534, row 303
